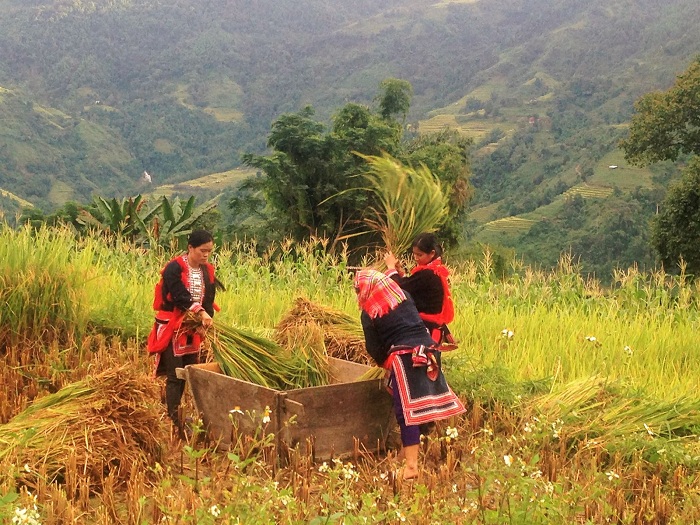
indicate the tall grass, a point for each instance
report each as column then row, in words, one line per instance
column 42, row 281
column 641, row 330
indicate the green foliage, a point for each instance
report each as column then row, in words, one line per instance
column 395, row 98
column 307, row 177
column 675, row 228
column 312, row 182
column 667, row 124
column 300, row 175
column 177, row 219
column 126, row 218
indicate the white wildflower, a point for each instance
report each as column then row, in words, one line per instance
column 451, row 433
column 611, row 474
column 508, row 460
column 25, row 516
column 215, row 511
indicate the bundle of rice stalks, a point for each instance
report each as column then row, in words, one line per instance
column 85, row 431
column 342, row 333
column 249, row 357
column 376, row 372
column 595, row 408
column 308, row 351
column 252, row 358
column 411, row 201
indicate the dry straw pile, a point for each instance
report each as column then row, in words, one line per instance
column 98, row 427
column 341, row 333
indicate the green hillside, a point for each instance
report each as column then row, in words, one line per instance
column 95, row 93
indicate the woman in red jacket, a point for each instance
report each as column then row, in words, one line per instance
column 427, row 285
column 188, row 284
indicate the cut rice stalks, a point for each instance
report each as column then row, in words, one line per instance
column 249, row 357
column 410, row 201
column 91, row 429
column 596, row 408
column 376, row 372
column 342, row 333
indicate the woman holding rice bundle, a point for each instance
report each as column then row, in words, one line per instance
column 397, row 339
column 188, row 285
column 427, row 284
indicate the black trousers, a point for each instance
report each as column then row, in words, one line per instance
column 174, row 387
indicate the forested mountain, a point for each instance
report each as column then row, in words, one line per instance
column 94, row 93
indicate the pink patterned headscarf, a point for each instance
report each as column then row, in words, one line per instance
column 377, row 294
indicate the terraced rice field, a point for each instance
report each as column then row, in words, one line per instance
column 588, row 191
column 510, row 224
column 14, row 197
column 440, row 122
column 215, row 181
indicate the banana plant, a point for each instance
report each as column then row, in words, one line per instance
column 128, row 218
column 177, row 218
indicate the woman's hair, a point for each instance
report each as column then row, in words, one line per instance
column 427, row 242
column 199, row 237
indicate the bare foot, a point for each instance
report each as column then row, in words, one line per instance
column 409, row 473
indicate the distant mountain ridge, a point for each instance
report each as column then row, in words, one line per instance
column 95, row 93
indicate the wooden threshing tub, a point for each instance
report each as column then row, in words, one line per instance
column 331, row 417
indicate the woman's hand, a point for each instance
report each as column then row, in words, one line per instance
column 206, row 319
column 391, row 261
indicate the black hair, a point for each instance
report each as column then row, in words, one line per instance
column 427, row 242
column 199, row 237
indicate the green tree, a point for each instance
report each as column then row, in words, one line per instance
column 307, row 176
column 312, row 183
column 66, row 214
column 674, row 231
column 667, row 125
column 300, row 174
column 395, row 98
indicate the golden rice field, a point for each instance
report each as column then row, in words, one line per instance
column 510, row 224
column 475, row 129
column 212, row 182
column 588, row 191
column 583, row 403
